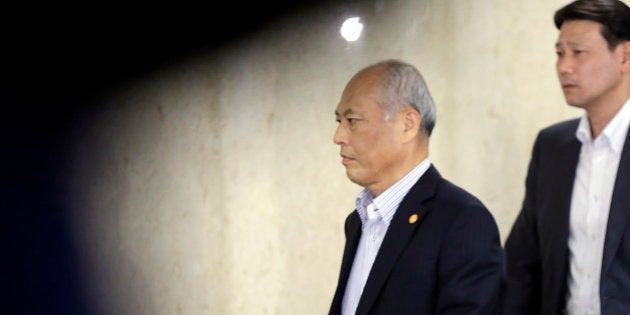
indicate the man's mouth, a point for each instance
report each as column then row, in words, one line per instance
column 345, row 159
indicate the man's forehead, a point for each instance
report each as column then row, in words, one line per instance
column 580, row 29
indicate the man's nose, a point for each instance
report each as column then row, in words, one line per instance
column 564, row 65
column 340, row 134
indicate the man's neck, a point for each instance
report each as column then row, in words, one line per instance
column 600, row 115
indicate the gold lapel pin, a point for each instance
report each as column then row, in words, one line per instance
column 413, row 218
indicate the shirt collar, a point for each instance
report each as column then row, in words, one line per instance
column 614, row 132
column 385, row 204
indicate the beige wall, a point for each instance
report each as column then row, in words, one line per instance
column 213, row 186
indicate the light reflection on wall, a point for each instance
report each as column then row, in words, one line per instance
column 351, row 29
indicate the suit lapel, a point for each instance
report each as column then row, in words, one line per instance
column 353, row 235
column 563, row 183
column 352, row 242
column 397, row 236
column 556, row 228
column 619, row 211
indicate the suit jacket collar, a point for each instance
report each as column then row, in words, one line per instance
column 398, row 235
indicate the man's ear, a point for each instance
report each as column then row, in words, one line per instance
column 412, row 121
column 625, row 61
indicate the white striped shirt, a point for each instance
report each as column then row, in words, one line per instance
column 376, row 214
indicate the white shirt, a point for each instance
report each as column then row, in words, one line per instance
column 590, row 205
column 376, row 214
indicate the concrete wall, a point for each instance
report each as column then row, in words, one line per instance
column 213, row 186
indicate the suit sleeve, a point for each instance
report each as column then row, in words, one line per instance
column 523, row 264
column 470, row 265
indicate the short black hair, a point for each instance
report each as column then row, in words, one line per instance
column 613, row 15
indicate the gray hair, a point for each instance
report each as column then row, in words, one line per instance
column 404, row 87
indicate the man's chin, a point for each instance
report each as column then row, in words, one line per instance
column 574, row 103
column 354, row 178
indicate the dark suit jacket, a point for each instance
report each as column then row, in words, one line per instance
column 448, row 262
column 537, row 250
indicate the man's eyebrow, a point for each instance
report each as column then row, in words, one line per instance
column 345, row 112
column 568, row 44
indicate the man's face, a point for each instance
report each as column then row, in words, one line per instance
column 588, row 71
column 370, row 144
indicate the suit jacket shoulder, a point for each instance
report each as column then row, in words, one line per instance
column 559, row 133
